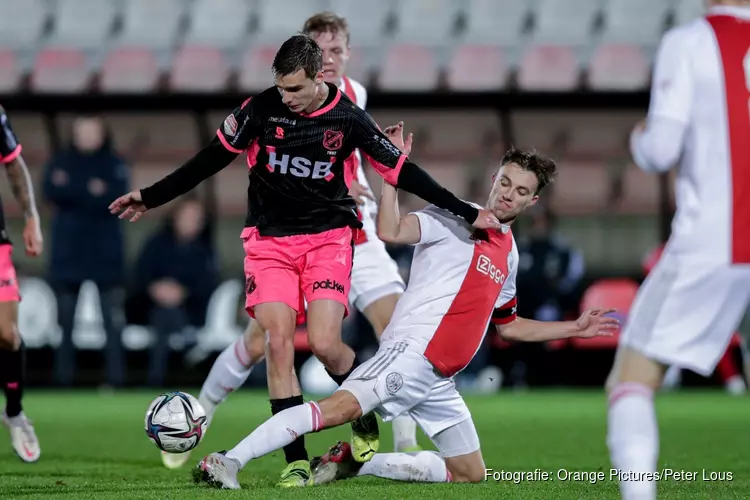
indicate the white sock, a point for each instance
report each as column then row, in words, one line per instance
column 421, row 466
column 277, row 432
column 229, row 372
column 404, row 432
column 633, row 439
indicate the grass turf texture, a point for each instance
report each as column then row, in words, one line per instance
column 94, row 446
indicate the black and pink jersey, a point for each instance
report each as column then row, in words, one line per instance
column 298, row 165
column 299, row 177
column 10, row 149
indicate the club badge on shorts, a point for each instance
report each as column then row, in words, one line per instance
column 393, row 382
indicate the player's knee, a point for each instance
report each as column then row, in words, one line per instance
column 280, row 345
column 462, row 471
column 324, row 344
column 9, row 336
column 469, row 476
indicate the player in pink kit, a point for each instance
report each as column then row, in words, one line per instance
column 376, row 284
column 437, row 327
column 301, row 221
column 12, row 355
column 694, row 299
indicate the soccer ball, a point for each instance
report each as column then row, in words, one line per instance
column 175, row 422
column 314, row 378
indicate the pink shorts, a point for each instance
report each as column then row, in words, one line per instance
column 8, row 280
column 292, row 269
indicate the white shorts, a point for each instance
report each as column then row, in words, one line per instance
column 374, row 274
column 399, row 380
column 686, row 312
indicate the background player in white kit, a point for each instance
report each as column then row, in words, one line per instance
column 689, row 306
column 435, row 331
column 376, row 284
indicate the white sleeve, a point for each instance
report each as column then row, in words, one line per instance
column 363, row 97
column 658, row 148
column 672, row 85
column 431, row 228
column 508, row 292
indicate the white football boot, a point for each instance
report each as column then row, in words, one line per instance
column 22, row 437
column 217, row 471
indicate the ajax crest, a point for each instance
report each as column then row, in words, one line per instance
column 393, row 382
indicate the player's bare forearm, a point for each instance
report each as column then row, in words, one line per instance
column 22, row 187
column 200, row 167
column 392, row 228
column 529, row 330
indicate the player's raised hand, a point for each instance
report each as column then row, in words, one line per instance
column 639, row 127
column 32, row 237
column 395, row 133
column 131, row 205
column 596, row 323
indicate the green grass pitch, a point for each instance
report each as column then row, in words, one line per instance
column 94, row 446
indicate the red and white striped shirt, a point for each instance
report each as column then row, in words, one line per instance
column 369, row 209
column 461, row 280
column 699, row 116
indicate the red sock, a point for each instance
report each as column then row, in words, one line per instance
column 727, row 368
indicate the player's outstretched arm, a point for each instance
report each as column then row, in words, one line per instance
column 393, row 165
column 392, row 228
column 592, row 323
column 210, row 160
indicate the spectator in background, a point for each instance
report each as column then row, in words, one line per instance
column 176, row 274
column 86, row 242
column 549, row 277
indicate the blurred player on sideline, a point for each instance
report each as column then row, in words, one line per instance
column 437, row 328
column 12, row 356
column 690, row 305
column 376, row 282
column 301, row 225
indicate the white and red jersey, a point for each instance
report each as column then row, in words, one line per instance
column 460, row 280
column 368, row 211
column 701, row 89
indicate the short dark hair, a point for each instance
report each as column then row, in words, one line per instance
column 326, row 22
column 544, row 168
column 298, row 52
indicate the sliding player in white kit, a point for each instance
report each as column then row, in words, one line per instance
column 689, row 306
column 376, row 283
column 461, row 280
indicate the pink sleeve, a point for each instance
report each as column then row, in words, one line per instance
column 12, row 156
